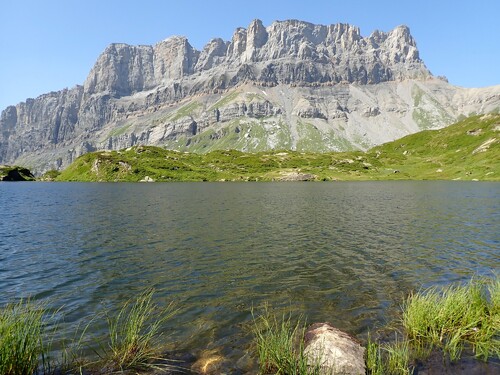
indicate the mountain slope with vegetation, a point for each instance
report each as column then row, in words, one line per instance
column 291, row 85
column 467, row 150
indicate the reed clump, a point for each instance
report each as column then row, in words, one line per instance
column 280, row 345
column 21, row 343
column 134, row 334
column 450, row 320
column 393, row 358
column 454, row 318
column 133, row 341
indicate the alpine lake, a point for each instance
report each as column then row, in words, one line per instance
column 343, row 252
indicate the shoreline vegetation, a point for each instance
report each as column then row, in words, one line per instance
column 467, row 150
column 449, row 322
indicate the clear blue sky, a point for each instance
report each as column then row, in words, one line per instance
column 47, row 45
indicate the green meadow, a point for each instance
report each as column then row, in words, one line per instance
column 467, row 150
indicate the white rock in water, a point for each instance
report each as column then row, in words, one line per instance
column 335, row 351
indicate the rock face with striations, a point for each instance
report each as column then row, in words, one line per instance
column 287, row 52
column 289, row 85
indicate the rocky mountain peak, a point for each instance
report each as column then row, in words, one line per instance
column 173, row 58
column 335, row 53
column 400, row 43
column 403, row 34
column 293, row 78
column 212, row 54
column 121, row 70
column 256, row 37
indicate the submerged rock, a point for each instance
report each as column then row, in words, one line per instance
column 209, row 362
column 335, row 351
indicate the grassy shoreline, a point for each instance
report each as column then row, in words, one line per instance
column 468, row 150
column 448, row 321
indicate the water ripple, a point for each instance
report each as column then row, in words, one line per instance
column 342, row 252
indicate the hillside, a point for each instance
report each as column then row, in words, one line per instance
column 467, row 150
column 291, row 85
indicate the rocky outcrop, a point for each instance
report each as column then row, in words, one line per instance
column 213, row 54
column 356, row 91
column 8, row 173
column 297, row 176
column 286, row 52
column 334, row 351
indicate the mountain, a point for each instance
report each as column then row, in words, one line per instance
column 468, row 150
column 292, row 85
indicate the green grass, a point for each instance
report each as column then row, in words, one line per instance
column 280, row 346
column 186, row 110
column 134, row 335
column 133, row 341
column 424, row 118
column 21, row 338
column 311, row 137
column 454, row 318
column 225, row 100
column 251, row 136
column 468, row 150
column 374, row 361
column 119, row 130
column 392, row 358
column 451, row 320
column 446, row 154
column 50, row 175
column 398, row 358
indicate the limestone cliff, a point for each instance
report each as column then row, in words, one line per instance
column 289, row 85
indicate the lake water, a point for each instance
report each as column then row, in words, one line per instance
column 343, row 252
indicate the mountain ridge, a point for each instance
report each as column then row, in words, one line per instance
column 174, row 58
column 293, row 83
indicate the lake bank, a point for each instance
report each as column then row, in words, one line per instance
column 451, row 323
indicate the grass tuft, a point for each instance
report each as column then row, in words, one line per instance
column 374, row 362
column 134, row 334
column 280, row 345
column 455, row 317
column 398, row 358
column 21, row 345
column 448, row 320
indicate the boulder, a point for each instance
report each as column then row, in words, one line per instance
column 8, row 173
column 147, row 179
column 297, row 176
column 335, row 351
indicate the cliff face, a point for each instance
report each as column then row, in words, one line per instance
column 304, row 86
column 286, row 52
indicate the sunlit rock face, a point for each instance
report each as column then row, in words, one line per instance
column 291, row 85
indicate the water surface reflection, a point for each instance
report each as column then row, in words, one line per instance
column 342, row 252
